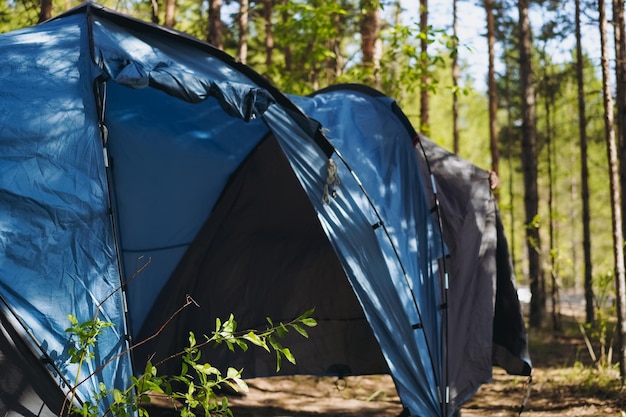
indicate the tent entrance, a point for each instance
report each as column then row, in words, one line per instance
column 243, row 237
column 262, row 253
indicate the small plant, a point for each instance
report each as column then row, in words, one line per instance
column 200, row 381
column 599, row 336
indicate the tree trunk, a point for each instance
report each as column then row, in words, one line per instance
column 554, row 262
column 618, row 240
column 529, row 167
column 393, row 66
column 170, row 13
column 154, row 11
column 242, row 45
column 584, row 173
column 370, row 29
column 620, row 98
column 425, row 79
column 214, row 36
column 620, row 70
column 492, row 89
column 269, row 34
column 455, row 81
column 45, row 11
column 335, row 63
column 287, row 48
column 509, row 142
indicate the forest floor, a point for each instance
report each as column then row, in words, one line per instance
column 564, row 383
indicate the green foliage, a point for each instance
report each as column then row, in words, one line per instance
column 599, row 336
column 18, row 14
column 200, row 381
column 84, row 337
column 312, row 33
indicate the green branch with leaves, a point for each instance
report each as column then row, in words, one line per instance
column 200, row 381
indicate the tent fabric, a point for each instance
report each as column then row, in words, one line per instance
column 140, row 167
column 26, row 387
column 485, row 324
column 482, row 282
column 56, row 244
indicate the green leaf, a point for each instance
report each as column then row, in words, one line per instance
column 309, row 322
column 288, row 355
column 281, row 330
column 242, row 345
column 300, row 330
column 118, row 397
column 254, row 338
column 207, row 369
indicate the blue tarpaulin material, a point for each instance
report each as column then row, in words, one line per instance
column 139, row 166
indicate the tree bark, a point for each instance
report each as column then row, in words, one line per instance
column 618, row 240
column 45, row 12
column 492, row 88
column 620, row 97
column 529, row 167
column 154, row 11
column 554, row 264
column 425, row 79
column 335, row 64
column 170, row 13
column 287, row 48
column 584, row 173
column 214, row 36
column 269, row 34
column 455, row 81
column 242, row 45
column 370, row 29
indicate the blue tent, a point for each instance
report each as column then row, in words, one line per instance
column 139, row 166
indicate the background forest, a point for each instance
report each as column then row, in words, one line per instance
column 532, row 90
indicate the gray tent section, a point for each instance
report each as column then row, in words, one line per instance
column 482, row 283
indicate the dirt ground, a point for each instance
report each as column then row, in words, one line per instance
column 564, row 384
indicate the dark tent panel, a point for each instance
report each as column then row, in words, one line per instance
column 27, row 385
column 140, row 167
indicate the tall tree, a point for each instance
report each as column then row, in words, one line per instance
column 370, row 41
column 491, row 87
column 287, row 47
column 620, row 96
column 550, row 87
column 170, row 13
column 242, row 42
column 154, row 11
column 584, row 172
column 269, row 33
column 618, row 237
column 335, row 61
column 455, row 80
column 424, row 87
column 46, row 10
column 529, row 166
column 214, row 35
